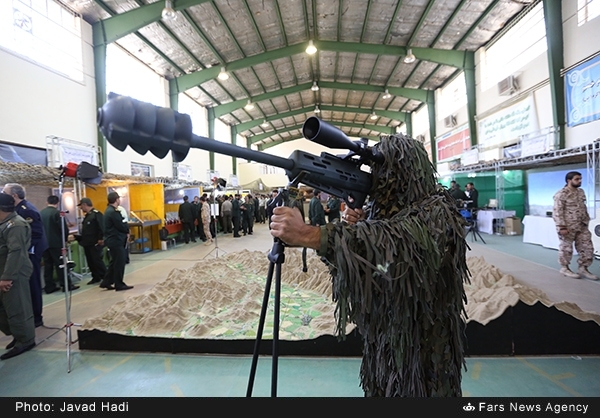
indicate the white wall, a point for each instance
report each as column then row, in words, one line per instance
column 37, row 102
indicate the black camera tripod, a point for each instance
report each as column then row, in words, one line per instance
column 276, row 259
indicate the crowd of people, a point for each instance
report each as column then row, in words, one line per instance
column 236, row 214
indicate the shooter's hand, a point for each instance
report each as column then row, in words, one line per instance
column 287, row 225
column 352, row 216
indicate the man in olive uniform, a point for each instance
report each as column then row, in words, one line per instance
column 39, row 244
column 116, row 231
column 92, row 239
column 16, row 313
column 187, row 217
column 316, row 213
column 56, row 230
column 572, row 219
column 236, row 215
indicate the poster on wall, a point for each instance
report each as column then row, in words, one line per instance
column 508, row 124
column 582, row 85
column 138, row 169
column 453, row 144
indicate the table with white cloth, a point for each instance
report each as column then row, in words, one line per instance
column 485, row 219
column 540, row 230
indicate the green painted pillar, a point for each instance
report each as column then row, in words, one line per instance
column 408, row 122
column 554, row 37
column 432, row 121
column 234, row 142
column 211, row 134
column 173, row 95
column 100, row 80
column 471, row 96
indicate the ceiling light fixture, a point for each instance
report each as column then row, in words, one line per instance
column 315, row 87
column 311, row 48
column 410, row 57
column 223, row 74
column 386, row 95
column 249, row 105
column 264, row 124
column 317, row 110
column 373, row 116
column 168, row 13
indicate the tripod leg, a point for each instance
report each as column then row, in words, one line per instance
column 276, row 329
column 261, row 324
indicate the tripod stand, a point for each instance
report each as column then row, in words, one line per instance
column 276, row 259
column 67, row 265
column 215, row 217
column 473, row 229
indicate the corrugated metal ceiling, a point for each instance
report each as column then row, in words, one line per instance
column 362, row 45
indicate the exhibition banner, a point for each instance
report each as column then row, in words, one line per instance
column 452, row 144
column 508, row 124
column 582, row 85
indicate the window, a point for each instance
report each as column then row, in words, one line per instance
column 522, row 43
column 44, row 32
column 452, row 97
column 127, row 76
column 587, row 10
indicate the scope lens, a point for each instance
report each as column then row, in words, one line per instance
column 310, row 130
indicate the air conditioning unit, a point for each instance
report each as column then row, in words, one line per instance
column 450, row 121
column 508, row 86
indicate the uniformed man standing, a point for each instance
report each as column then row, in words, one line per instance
column 92, row 239
column 116, row 231
column 187, row 217
column 236, row 215
column 38, row 245
column 57, row 230
column 572, row 219
column 16, row 313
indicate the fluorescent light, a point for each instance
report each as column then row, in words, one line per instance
column 311, row 48
column 386, row 95
column 168, row 13
column 315, row 87
column 264, row 124
column 373, row 116
column 223, row 74
column 410, row 57
column 317, row 110
column 249, row 105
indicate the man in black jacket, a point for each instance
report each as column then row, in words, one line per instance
column 236, row 215
column 92, row 239
column 116, row 231
column 473, row 196
column 187, row 217
column 57, row 231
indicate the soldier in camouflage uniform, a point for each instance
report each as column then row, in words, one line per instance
column 16, row 312
column 572, row 219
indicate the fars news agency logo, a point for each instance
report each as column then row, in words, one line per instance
column 468, row 407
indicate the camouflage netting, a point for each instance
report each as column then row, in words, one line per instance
column 40, row 175
column 399, row 276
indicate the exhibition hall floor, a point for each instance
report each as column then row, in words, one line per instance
column 44, row 370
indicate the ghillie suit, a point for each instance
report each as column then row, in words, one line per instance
column 399, row 277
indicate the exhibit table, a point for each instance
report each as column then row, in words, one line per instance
column 540, row 230
column 485, row 219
